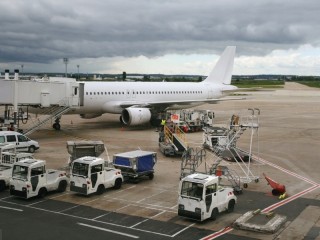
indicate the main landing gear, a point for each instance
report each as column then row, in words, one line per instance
column 56, row 124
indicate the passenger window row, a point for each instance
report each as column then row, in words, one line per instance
column 144, row 92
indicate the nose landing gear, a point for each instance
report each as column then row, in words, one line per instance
column 56, row 124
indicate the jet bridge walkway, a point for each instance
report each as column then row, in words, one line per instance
column 50, row 97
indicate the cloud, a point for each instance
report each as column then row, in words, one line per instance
column 45, row 31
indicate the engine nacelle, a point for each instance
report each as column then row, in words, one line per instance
column 90, row 115
column 135, row 116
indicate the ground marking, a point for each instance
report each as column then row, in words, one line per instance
column 108, row 230
column 276, row 205
column 14, row 209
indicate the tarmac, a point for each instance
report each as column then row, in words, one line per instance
column 286, row 148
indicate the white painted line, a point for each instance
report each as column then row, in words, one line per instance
column 36, row 202
column 100, row 216
column 14, row 209
column 158, row 214
column 139, row 223
column 108, row 230
column 7, row 197
column 150, row 196
column 60, row 195
column 182, row 230
column 69, row 208
column 284, row 170
column 289, row 199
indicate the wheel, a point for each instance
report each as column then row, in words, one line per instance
column 2, row 186
column 31, row 149
column 256, row 180
column 118, row 183
column 245, row 185
column 214, row 214
column 42, row 193
column 151, row 176
column 100, row 189
column 231, row 206
column 62, row 186
column 56, row 126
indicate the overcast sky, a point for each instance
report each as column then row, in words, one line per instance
column 160, row 36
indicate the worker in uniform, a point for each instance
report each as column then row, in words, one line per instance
column 163, row 122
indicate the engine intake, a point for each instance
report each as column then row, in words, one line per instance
column 135, row 116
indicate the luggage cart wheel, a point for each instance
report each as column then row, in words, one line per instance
column 245, row 185
column 257, row 180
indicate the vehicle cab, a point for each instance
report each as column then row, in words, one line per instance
column 201, row 197
column 30, row 178
column 91, row 175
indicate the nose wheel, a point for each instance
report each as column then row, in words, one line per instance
column 57, row 125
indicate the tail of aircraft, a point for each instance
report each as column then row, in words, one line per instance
column 222, row 72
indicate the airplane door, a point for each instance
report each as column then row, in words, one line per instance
column 210, row 93
column 75, row 96
column 81, row 94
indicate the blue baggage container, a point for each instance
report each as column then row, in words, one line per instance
column 135, row 164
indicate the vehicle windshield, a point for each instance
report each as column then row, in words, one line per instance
column 80, row 169
column 20, row 172
column 192, row 189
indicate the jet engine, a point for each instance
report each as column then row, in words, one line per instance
column 90, row 115
column 135, row 116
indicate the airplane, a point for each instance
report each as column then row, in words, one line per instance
column 141, row 102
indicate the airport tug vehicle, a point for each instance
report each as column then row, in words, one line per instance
column 201, row 197
column 7, row 161
column 30, row 178
column 92, row 175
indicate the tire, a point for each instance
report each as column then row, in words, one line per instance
column 62, row 186
column 118, row 183
column 42, row 193
column 100, row 189
column 214, row 214
column 31, row 149
column 56, row 126
column 151, row 176
column 2, row 186
column 231, row 206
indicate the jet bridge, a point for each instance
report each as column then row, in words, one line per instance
column 55, row 93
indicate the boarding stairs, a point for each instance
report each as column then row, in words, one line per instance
column 223, row 171
column 191, row 160
column 176, row 137
column 47, row 115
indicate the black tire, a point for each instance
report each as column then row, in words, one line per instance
column 100, row 189
column 118, row 183
column 2, row 186
column 62, row 186
column 42, row 193
column 214, row 214
column 231, row 206
column 31, row 149
column 151, row 176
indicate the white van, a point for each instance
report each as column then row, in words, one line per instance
column 23, row 143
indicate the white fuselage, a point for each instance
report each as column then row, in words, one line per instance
column 109, row 97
